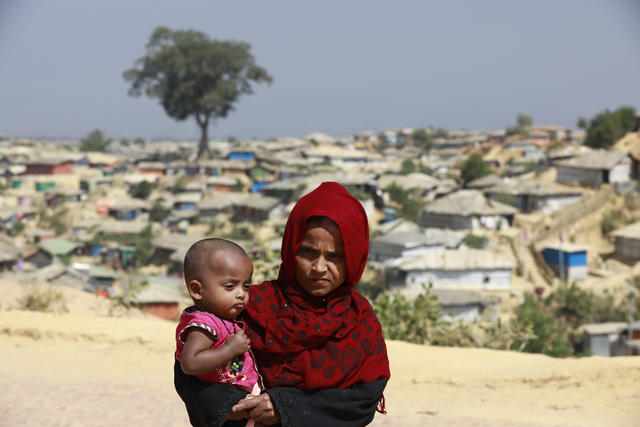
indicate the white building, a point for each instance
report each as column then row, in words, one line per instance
column 466, row 209
column 462, row 268
column 595, row 168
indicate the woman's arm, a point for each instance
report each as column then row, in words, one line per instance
column 199, row 358
column 350, row 407
column 208, row 404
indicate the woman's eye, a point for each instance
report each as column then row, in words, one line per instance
column 306, row 252
column 336, row 257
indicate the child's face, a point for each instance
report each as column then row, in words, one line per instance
column 225, row 286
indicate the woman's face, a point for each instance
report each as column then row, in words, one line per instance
column 320, row 259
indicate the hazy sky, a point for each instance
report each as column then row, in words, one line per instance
column 340, row 66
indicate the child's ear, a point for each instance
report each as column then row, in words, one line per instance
column 194, row 287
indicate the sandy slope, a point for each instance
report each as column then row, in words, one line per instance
column 73, row 369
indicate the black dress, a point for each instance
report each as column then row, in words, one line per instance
column 209, row 404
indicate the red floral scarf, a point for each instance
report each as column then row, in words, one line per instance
column 318, row 342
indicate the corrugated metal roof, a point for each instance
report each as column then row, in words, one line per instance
column 48, row 161
column 600, row 159
column 466, row 203
column 130, row 204
column 604, row 328
column 566, row 247
column 102, row 272
column 8, row 250
column 631, row 231
column 459, row 259
column 57, row 246
column 122, row 227
column 532, row 187
column 410, row 181
column 430, row 236
column 485, row 181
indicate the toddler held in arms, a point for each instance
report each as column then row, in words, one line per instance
column 210, row 343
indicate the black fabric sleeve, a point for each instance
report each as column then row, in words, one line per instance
column 350, row 407
column 208, row 404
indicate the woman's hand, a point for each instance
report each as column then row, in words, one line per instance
column 260, row 408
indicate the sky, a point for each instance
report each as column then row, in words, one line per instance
column 339, row 66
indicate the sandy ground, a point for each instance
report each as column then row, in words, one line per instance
column 79, row 369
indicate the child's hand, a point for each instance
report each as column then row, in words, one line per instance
column 238, row 343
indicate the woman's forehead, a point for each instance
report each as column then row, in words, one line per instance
column 316, row 220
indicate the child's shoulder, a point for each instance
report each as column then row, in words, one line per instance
column 192, row 314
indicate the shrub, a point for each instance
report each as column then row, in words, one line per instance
column 506, row 198
column 408, row 167
column 550, row 338
column 214, row 225
column 47, row 301
column 17, row 228
column 610, row 221
column 142, row 190
column 410, row 207
column 476, row 242
column 158, row 212
column 510, row 336
column 419, row 321
column 551, row 326
column 241, row 232
column 143, row 247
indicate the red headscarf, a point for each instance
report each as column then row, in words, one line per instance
column 313, row 342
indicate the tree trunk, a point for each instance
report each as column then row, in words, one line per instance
column 203, row 148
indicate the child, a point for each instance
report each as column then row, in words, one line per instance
column 210, row 343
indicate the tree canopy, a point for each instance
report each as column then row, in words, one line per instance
column 423, row 139
column 95, row 141
column 195, row 76
column 474, row 167
column 523, row 124
column 408, row 167
column 607, row 127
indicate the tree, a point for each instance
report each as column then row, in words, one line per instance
column 440, row 133
column 408, row 167
column 549, row 337
column 142, row 190
column 158, row 212
column 139, row 141
column 143, row 248
column 409, row 207
column 607, row 127
column 95, row 141
column 195, row 76
column 474, row 167
column 423, row 139
column 523, row 123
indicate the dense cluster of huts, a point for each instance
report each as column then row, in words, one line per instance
column 80, row 219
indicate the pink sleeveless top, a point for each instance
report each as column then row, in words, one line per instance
column 246, row 377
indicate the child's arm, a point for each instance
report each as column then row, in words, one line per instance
column 199, row 358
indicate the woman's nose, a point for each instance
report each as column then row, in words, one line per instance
column 320, row 264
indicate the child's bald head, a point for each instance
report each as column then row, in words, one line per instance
column 198, row 257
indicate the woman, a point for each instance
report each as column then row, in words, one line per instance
column 318, row 344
